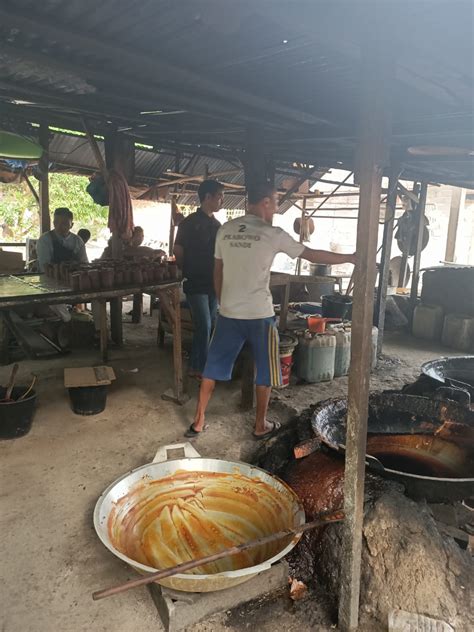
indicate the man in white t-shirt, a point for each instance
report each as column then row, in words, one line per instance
column 245, row 250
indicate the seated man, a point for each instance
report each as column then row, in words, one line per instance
column 60, row 245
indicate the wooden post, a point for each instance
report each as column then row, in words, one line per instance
column 103, row 331
column 45, row 223
column 119, row 155
column 458, row 197
column 415, row 279
column 172, row 226
column 137, row 311
column 303, row 217
column 170, row 303
column 386, row 252
column 371, row 158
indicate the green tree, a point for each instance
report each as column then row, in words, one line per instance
column 19, row 212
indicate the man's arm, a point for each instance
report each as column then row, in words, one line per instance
column 324, row 256
column 82, row 253
column 218, row 277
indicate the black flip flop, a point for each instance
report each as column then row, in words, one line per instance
column 191, row 433
column 274, row 430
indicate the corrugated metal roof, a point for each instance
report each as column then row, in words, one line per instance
column 73, row 152
column 292, row 68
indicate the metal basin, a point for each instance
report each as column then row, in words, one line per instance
column 458, row 372
column 428, row 445
column 162, row 514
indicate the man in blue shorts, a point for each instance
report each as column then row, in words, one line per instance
column 245, row 250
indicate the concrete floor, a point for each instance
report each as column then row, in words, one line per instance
column 50, row 479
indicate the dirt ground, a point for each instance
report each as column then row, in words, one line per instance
column 50, row 479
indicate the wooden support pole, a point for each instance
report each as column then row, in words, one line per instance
column 371, row 158
column 170, row 302
column 34, row 193
column 103, row 331
column 45, row 220
column 415, row 279
column 458, row 197
column 386, row 252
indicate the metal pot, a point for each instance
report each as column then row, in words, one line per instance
column 269, row 491
column 442, row 440
column 455, row 372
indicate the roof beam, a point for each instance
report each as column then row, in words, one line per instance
column 153, row 68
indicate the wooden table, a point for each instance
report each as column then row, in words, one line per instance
column 32, row 290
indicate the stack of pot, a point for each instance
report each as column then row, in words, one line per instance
column 110, row 274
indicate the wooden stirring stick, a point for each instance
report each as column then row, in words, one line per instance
column 322, row 520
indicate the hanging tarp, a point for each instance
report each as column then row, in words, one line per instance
column 16, row 146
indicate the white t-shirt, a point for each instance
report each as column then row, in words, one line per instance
column 247, row 245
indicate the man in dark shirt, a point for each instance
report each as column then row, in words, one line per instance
column 194, row 251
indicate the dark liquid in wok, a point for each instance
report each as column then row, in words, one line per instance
column 424, row 455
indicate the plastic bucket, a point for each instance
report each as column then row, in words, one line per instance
column 88, row 400
column 337, row 306
column 16, row 417
column 287, row 347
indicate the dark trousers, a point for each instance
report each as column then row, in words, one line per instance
column 203, row 311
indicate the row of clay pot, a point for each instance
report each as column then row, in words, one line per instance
column 110, row 275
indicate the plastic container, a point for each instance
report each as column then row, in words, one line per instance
column 337, row 306
column 287, row 346
column 458, row 332
column 16, row 417
column 342, row 358
column 88, row 400
column 428, row 321
column 315, row 357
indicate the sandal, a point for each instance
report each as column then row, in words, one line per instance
column 270, row 433
column 191, row 433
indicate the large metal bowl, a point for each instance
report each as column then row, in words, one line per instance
column 156, row 471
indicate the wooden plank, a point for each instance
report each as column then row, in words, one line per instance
column 34, row 344
column 386, row 252
column 45, row 220
column 458, row 197
column 371, row 158
column 415, row 279
column 88, row 376
column 170, row 303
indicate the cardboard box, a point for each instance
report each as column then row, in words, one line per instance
column 11, row 262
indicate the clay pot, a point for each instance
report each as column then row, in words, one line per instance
column 74, row 281
column 94, row 276
column 119, row 277
column 158, row 274
column 84, row 281
column 107, row 278
column 127, row 276
column 137, row 276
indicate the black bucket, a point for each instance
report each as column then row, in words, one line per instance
column 337, row 306
column 16, row 417
column 88, row 400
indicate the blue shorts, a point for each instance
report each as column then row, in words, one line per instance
column 230, row 335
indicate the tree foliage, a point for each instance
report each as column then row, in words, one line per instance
column 19, row 212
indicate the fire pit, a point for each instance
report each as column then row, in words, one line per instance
column 426, row 444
